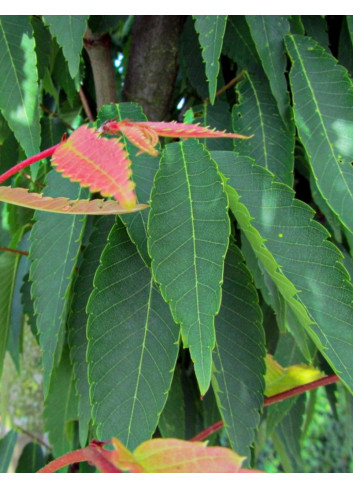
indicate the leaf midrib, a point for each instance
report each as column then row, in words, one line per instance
column 192, row 219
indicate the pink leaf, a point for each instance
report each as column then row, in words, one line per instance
column 144, row 135
column 62, row 205
column 98, row 163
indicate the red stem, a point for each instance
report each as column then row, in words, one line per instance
column 329, row 379
column 90, row 454
column 67, row 459
column 27, row 162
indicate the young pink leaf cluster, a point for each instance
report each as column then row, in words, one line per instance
column 145, row 135
column 102, row 164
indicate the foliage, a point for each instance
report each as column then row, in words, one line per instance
column 225, row 276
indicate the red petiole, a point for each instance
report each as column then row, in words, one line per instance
column 29, row 161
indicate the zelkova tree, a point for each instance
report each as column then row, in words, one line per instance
column 177, row 235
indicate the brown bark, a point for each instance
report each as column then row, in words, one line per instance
column 152, row 66
column 98, row 47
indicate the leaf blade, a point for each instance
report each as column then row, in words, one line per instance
column 211, row 29
column 239, row 356
column 77, row 322
column 309, row 273
column 69, row 31
column 55, row 242
column 19, row 81
column 63, row 205
column 268, row 32
column 132, row 344
column 188, row 238
column 325, row 136
column 98, row 163
column 273, row 144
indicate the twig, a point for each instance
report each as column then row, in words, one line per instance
column 226, row 86
column 54, row 114
column 33, row 437
column 85, row 105
column 11, row 250
column 329, row 379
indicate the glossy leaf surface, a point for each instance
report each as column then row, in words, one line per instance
column 311, row 279
column 19, row 81
column 323, row 97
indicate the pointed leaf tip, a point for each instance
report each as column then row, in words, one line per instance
column 98, row 163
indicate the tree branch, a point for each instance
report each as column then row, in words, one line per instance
column 329, row 379
column 98, row 47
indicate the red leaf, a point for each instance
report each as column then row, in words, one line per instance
column 62, row 205
column 180, row 130
column 144, row 135
column 172, row 455
column 98, row 163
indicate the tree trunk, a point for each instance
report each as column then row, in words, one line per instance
column 153, row 63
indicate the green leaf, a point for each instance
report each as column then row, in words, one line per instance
column 19, row 81
column 268, row 32
column 273, row 144
column 296, row 24
column 287, row 438
column 7, row 446
column 239, row 45
column 211, row 29
column 172, row 420
column 60, row 407
column 61, row 76
column 69, row 31
column 188, row 240
column 83, row 287
column 294, row 249
column 284, row 316
column 323, row 109
column 8, row 272
column 216, row 116
column 43, row 44
column 191, row 59
column 345, row 45
column 53, row 253
column 239, row 355
column 14, row 344
column 31, row 459
column 132, row 344
column 143, row 168
column 316, row 27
